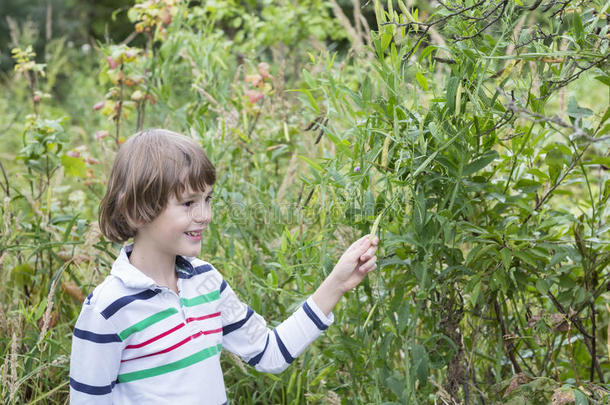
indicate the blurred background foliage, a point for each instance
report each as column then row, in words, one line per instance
column 475, row 131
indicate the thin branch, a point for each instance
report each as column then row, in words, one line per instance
column 578, row 324
column 510, row 348
column 7, row 188
column 503, row 121
column 119, row 108
column 564, row 82
column 443, row 60
column 493, row 21
column 129, row 38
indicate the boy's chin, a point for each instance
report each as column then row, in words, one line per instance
column 191, row 252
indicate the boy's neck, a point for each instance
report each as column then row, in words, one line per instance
column 156, row 265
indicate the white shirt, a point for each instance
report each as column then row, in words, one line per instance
column 135, row 342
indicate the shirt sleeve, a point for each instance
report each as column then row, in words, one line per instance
column 246, row 334
column 95, row 358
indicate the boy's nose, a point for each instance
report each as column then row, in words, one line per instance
column 202, row 214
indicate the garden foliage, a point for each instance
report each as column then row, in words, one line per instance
column 474, row 133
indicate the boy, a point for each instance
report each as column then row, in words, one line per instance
column 152, row 332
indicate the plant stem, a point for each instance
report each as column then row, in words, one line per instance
column 507, row 343
column 119, row 111
column 7, row 189
column 593, row 346
column 587, row 338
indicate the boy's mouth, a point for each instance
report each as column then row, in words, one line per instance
column 194, row 234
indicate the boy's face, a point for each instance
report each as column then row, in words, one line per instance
column 177, row 230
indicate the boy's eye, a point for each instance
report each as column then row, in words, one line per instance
column 187, row 203
column 209, row 198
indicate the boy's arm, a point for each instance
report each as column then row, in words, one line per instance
column 357, row 261
column 245, row 333
column 95, row 359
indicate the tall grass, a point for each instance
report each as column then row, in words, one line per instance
column 471, row 144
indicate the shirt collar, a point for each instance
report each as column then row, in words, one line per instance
column 132, row 277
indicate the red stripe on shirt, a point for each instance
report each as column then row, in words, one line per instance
column 177, row 345
column 200, row 318
column 149, row 341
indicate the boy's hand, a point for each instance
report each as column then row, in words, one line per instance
column 355, row 263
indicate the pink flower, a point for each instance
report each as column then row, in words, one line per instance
column 254, row 96
column 99, row 135
column 112, row 62
column 263, row 69
column 73, row 153
column 99, row 106
column 255, row 80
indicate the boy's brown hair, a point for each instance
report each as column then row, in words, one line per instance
column 150, row 166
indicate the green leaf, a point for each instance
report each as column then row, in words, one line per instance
column 604, row 79
column 555, row 160
column 480, row 163
column 385, row 40
column 526, row 257
column 576, row 111
column 427, row 51
column 474, row 295
column 423, row 83
column 312, row 101
column 419, row 211
column 527, row 185
column 366, row 89
column 272, row 279
column 542, row 285
column 606, row 116
column 452, row 87
column 580, row 398
column 40, row 309
column 507, row 257
column 420, row 363
column 425, row 164
column 339, row 180
column 396, row 384
column 580, row 32
column 74, row 166
column 311, row 163
column 554, row 157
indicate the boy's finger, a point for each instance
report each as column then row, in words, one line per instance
column 368, row 266
column 369, row 253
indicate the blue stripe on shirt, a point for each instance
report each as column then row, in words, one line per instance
column 314, row 318
column 287, row 357
column 193, row 271
column 121, row 302
column 234, row 326
column 91, row 389
column 223, row 285
column 256, row 359
column 96, row 337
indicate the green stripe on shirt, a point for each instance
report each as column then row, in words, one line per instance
column 202, row 299
column 167, row 368
column 145, row 323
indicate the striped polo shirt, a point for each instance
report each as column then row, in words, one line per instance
column 138, row 343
